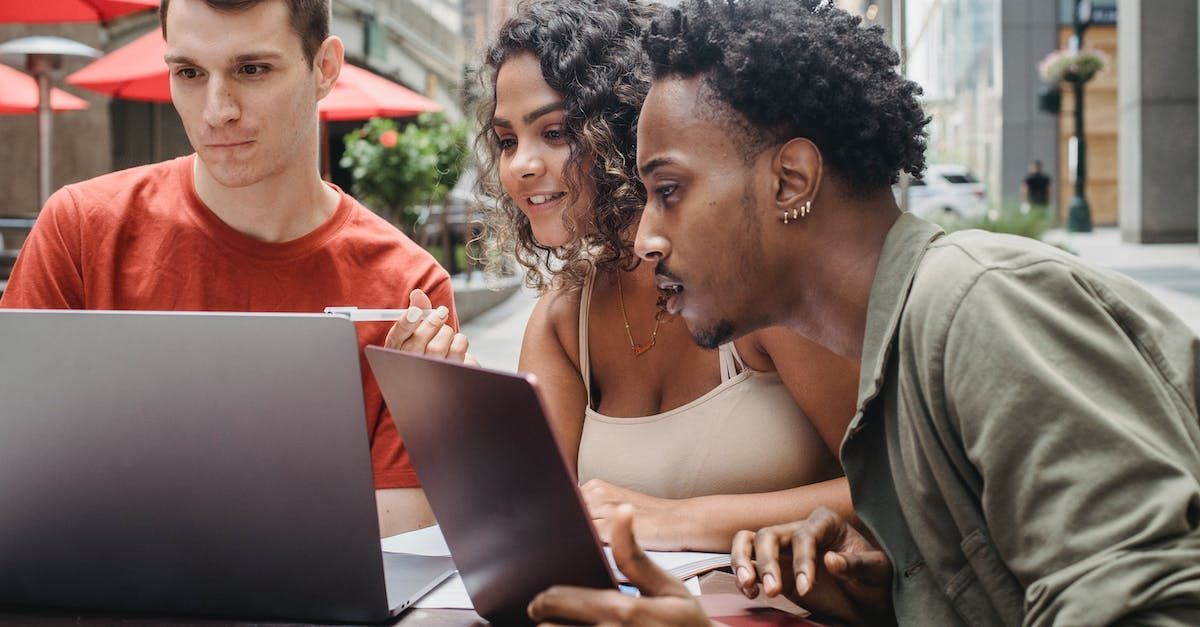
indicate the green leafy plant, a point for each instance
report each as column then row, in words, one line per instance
column 1079, row 66
column 1032, row 224
column 397, row 169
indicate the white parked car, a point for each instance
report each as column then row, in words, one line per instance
column 947, row 192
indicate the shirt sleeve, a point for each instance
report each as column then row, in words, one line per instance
column 1076, row 403
column 48, row 273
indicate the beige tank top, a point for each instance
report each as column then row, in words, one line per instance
column 744, row 436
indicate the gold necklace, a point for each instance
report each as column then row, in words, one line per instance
column 638, row 349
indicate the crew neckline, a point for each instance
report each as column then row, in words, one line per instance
column 234, row 239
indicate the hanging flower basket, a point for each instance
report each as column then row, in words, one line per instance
column 1074, row 67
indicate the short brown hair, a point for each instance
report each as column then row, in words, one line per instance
column 309, row 19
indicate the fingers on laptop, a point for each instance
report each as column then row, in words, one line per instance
column 741, row 555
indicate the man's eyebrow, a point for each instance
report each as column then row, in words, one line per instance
column 263, row 55
column 650, row 166
column 532, row 115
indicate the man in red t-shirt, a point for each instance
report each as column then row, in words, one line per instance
column 246, row 223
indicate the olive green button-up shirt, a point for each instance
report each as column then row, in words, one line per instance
column 1027, row 446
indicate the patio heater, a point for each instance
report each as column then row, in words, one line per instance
column 43, row 56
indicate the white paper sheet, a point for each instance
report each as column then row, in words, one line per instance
column 452, row 594
column 427, row 541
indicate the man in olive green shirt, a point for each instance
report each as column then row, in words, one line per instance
column 1027, row 444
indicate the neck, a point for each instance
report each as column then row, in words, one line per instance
column 283, row 206
column 830, row 282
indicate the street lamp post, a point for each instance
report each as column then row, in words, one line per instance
column 1079, row 215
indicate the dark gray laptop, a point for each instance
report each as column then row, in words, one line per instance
column 504, row 495
column 192, row 463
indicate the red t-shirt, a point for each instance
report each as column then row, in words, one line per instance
column 142, row 239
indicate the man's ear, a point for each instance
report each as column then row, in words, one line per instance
column 797, row 168
column 328, row 64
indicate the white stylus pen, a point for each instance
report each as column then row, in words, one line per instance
column 354, row 314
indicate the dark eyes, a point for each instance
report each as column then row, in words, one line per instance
column 664, row 191
column 552, row 135
column 247, row 70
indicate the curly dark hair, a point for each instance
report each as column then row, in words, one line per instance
column 800, row 68
column 590, row 52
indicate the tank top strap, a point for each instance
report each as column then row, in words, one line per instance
column 731, row 361
column 585, row 303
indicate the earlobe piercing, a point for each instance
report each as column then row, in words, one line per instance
column 795, row 214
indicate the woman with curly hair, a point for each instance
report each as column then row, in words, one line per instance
column 701, row 442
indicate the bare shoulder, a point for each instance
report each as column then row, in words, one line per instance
column 554, row 322
column 772, row 348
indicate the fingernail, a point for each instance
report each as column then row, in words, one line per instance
column 443, row 312
column 744, row 576
column 768, row 581
column 414, row 314
column 801, row 584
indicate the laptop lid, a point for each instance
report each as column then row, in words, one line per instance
column 508, row 505
column 191, row 463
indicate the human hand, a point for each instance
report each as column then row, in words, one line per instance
column 664, row 600
column 658, row 523
column 821, row 563
column 431, row 336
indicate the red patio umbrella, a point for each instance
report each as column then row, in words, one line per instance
column 19, row 94
column 49, row 11
column 136, row 71
column 359, row 94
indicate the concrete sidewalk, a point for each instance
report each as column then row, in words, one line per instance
column 1171, row 272
column 496, row 333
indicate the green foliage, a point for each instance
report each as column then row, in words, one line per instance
column 1032, row 224
column 395, row 169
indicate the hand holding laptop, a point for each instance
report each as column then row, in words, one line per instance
column 664, row 600
column 428, row 334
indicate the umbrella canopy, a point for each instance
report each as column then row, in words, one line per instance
column 47, row 11
column 359, row 94
column 19, row 94
column 137, row 71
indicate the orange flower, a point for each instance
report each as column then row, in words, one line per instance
column 388, row 138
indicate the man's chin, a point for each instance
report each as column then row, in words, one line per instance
column 713, row 335
column 233, row 176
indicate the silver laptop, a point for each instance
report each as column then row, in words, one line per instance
column 503, row 493
column 192, row 463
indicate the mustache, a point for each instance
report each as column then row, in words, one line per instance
column 663, row 271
